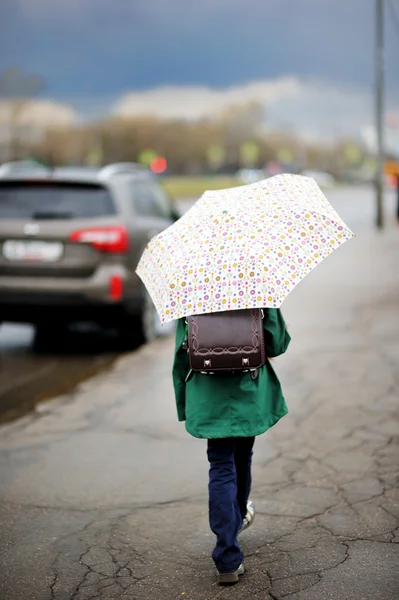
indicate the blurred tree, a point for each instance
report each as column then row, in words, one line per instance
column 242, row 123
column 16, row 89
column 189, row 147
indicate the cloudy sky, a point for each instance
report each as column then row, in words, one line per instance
column 310, row 61
column 107, row 47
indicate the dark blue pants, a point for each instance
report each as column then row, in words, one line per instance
column 229, row 487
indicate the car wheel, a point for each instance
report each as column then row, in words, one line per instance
column 148, row 320
column 142, row 328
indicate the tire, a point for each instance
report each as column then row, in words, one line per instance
column 140, row 329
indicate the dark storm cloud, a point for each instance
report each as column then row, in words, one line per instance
column 108, row 46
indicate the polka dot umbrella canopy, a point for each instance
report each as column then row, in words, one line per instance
column 243, row 247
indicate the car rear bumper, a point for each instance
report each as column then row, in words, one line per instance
column 34, row 300
column 43, row 308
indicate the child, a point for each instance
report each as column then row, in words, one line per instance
column 229, row 411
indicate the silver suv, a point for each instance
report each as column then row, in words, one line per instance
column 70, row 240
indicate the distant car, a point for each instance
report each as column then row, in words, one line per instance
column 70, row 240
column 321, row 178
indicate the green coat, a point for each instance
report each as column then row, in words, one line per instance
column 220, row 407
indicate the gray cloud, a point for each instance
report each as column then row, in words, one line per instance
column 107, row 46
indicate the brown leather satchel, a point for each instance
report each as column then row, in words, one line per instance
column 226, row 341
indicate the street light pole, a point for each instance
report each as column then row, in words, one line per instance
column 379, row 104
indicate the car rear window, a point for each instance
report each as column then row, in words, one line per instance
column 34, row 200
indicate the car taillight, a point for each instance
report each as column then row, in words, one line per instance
column 115, row 287
column 105, row 239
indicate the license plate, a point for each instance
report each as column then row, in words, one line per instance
column 35, row 251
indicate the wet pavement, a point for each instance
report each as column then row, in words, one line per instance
column 28, row 377
column 103, row 493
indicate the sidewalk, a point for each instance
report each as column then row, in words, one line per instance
column 325, row 478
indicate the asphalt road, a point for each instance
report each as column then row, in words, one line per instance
column 103, row 494
column 28, row 378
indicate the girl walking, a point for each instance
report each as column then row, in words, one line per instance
column 230, row 411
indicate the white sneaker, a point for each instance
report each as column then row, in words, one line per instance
column 249, row 517
column 229, row 578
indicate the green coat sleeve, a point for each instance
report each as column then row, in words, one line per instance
column 277, row 337
column 180, row 370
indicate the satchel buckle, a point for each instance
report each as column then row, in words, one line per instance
column 245, row 362
column 207, row 363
